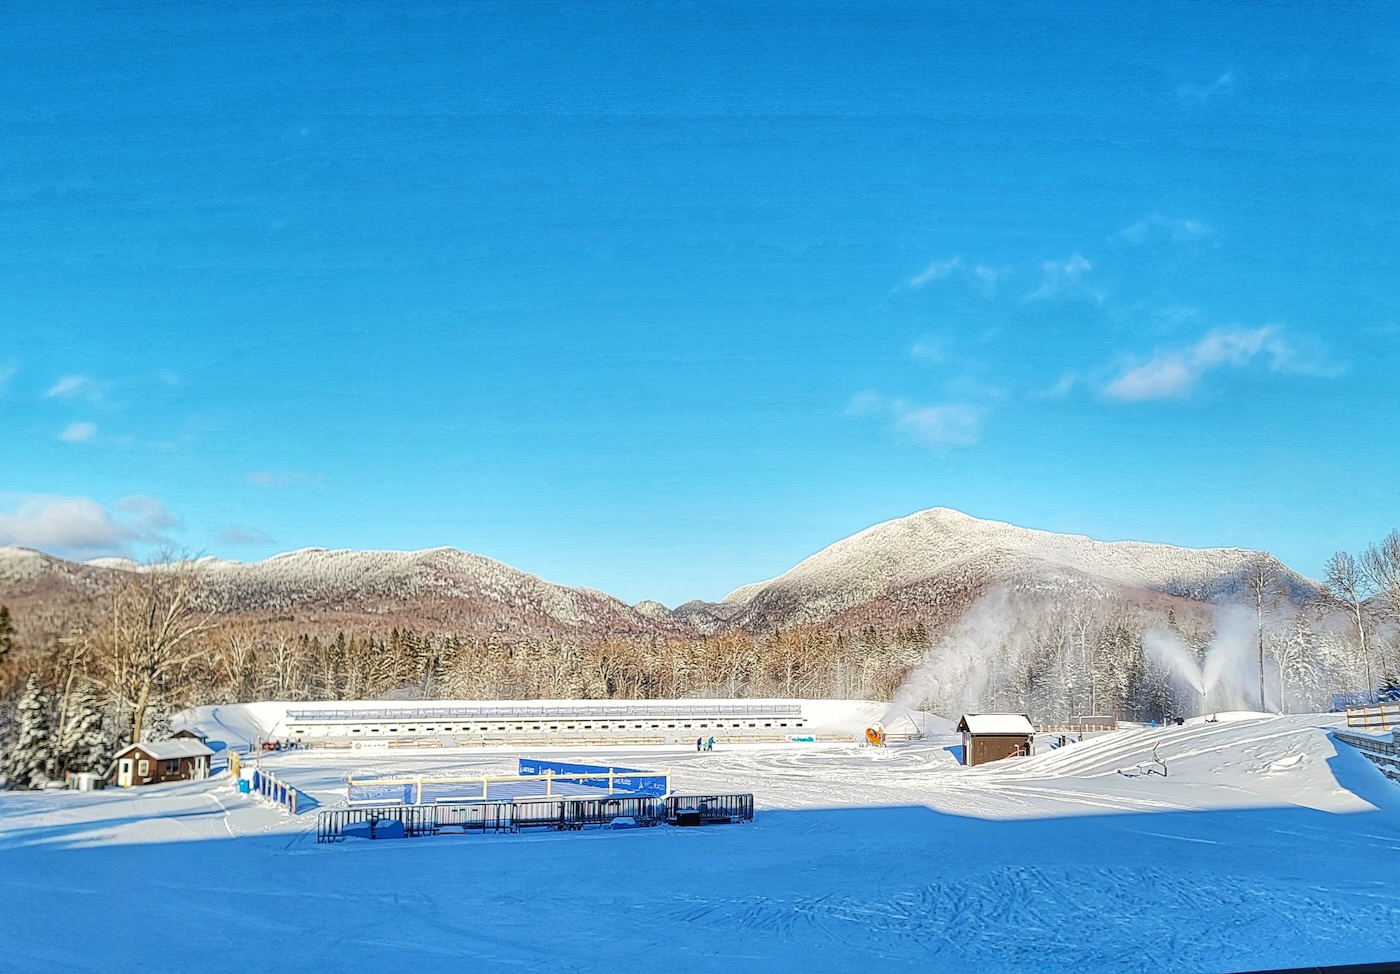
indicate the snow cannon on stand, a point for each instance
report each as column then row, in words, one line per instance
column 875, row 734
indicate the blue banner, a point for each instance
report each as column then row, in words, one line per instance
column 625, row 781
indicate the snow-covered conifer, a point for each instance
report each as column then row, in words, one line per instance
column 30, row 761
column 84, row 744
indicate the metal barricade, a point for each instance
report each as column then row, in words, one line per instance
column 412, row 821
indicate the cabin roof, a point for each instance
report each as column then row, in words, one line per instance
column 169, row 750
column 996, row 725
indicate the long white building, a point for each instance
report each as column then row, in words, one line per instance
column 475, row 722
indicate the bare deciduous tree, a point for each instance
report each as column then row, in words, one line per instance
column 1347, row 589
column 1260, row 580
column 151, row 633
column 1381, row 563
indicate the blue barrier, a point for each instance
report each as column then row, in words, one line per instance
column 628, row 781
column 1364, row 698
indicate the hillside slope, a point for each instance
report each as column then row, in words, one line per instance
column 942, row 558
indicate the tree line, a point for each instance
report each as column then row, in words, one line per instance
column 69, row 700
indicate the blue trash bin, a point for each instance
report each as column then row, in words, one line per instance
column 243, row 784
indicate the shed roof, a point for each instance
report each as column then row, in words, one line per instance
column 169, row 750
column 996, row 725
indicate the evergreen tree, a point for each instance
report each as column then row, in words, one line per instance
column 7, row 633
column 84, row 744
column 30, row 762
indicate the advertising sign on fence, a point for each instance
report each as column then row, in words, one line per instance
column 629, row 781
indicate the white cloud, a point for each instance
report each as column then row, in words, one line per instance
column 148, row 512
column 936, row 271
column 1199, row 93
column 78, row 433
column 75, row 386
column 946, row 425
column 1062, row 388
column 240, row 534
column 990, row 276
column 79, row 527
column 984, row 274
column 1175, row 373
column 1159, row 227
column 1063, row 277
column 866, row 403
column 929, row 350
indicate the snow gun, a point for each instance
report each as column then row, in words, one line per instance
column 875, row 735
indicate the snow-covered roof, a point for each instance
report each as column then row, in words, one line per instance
column 169, row 750
column 996, row 724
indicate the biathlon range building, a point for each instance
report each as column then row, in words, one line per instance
column 468, row 723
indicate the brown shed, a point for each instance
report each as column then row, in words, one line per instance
column 152, row 762
column 991, row 737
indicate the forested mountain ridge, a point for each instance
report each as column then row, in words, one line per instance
column 940, row 556
column 927, row 567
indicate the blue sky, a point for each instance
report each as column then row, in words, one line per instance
column 660, row 299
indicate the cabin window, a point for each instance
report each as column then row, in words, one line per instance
column 143, row 767
column 172, row 766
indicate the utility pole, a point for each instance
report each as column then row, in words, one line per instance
column 1259, row 578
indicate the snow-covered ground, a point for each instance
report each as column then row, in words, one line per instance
column 1264, row 845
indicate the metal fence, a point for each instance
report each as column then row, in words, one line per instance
column 709, row 809
column 567, row 814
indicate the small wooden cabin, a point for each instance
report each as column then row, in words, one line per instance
column 152, row 762
column 991, row 737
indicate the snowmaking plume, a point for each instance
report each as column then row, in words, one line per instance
column 956, row 670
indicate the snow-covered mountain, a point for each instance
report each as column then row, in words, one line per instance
column 940, row 558
column 927, row 566
column 440, row 588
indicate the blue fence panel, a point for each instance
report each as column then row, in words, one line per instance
column 631, row 781
column 1363, row 698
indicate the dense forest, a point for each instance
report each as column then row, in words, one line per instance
column 69, row 698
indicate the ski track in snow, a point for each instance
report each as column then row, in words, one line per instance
column 1263, row 846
